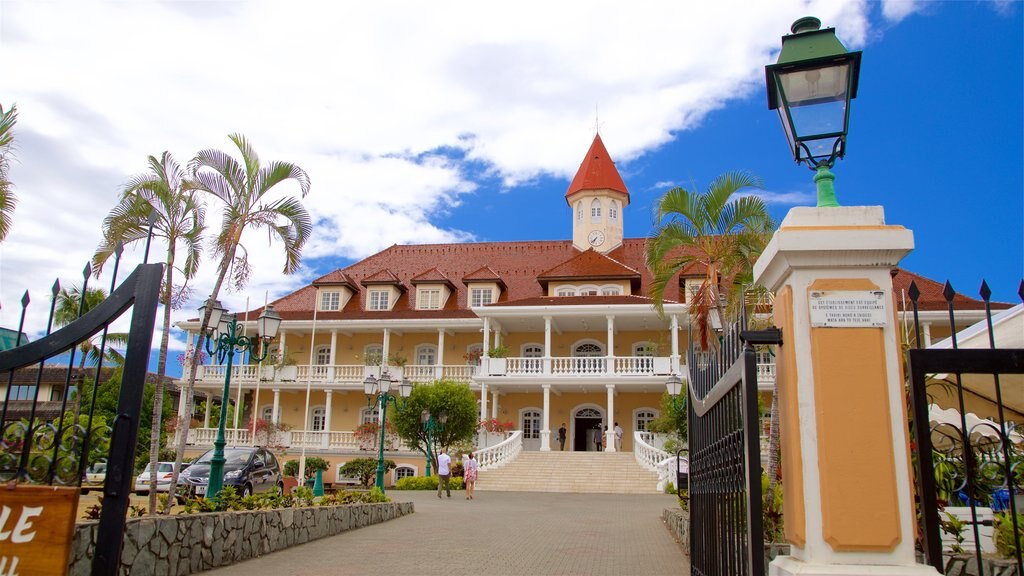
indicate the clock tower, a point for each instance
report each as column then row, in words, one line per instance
column 597, row 197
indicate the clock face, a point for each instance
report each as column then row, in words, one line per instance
column 596, row 238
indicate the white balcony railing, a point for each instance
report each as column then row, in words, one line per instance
column 341, row 373
column 206, row 436
column 339, row 440
column 656, row 459
column 502, row 453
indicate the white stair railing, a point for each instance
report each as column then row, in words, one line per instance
column 646, row 454
column 501, row 453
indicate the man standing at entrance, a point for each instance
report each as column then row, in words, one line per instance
column 618, row 437
column 444, row 473
column 561, row 437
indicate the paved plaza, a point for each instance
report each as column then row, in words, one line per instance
column 498, row 533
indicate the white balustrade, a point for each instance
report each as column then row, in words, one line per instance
column 501, row 453
column 420, row 372
column 766, row 373
column 578, row 366
column 524, row 366
column 654, row 459
column 458, row 372
column 343, row 441
column 206, row 436
column 216, row 372
column 634, row 365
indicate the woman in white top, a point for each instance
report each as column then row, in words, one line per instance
column 469, row 475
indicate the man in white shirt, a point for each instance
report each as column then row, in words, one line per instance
column 444, row 473
column 618, row 437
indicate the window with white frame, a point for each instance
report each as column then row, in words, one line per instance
column 369, row 415
column 428, row 298
column 267, row 413
column 322, row 356
column 533, row 351
column 378, row 299
column 588, row 349
column 588, row 291
column 373, row 354
column 643, row 419
column 613, row 210
column 473, row 354
column 319, row 418
column 611, row 291
column 595, row 210
column 531, row 424
column 426, row 355
column 404, row 471
column 481, row 296
column 579, row 210
column 644, row 349
column 562, row 292
column 330, row 301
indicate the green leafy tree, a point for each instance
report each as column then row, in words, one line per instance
column 363, row 468
column 456, row 399
column 8, row 201
column 313, row 463
column 245, row 189
column 69, row 308
column 166, row 195
column 672, row 420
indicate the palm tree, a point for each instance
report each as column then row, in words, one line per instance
column 69, row 304
column 165, row 196
column 7, row 198
column 724, row 234
column 715, row 229
column 244, row 188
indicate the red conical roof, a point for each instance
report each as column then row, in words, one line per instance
column 597, row 172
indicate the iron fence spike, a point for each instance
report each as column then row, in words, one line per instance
column 55, row 288
column 87, row 271
column 948, row 292
column 914, row 291
column 1020, row 290
column 986, row 293
column 25, row 300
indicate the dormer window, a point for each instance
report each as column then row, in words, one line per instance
column 481, row 296
column 330, row 301
column 563, row 292
column 595, row 211
column 378, row 299
column 611, row 291
column 613, row 210
column 428, row 298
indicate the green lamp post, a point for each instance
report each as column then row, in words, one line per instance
column 431, row 426
column 674, row 385
column 379, row 391
column 224, row 340
column 811, row 86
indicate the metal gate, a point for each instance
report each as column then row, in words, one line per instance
column 977, row 464
column 45, row 447
column 726, row 537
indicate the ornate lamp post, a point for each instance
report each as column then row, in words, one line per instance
column 379, row 391
column 811, row 86
column 675, row 386
column 224, row 340
column 432, row 426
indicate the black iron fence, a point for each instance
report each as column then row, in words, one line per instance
column 51, row 439
column 969, row 471
column 726, row 537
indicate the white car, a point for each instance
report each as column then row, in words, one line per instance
column 163, row 478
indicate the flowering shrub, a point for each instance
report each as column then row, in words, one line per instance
column 189, row 356
column 473, row 356
column 495, row 425
column 368, row 435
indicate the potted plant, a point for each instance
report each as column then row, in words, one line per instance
column 497, row 365
column 1008, row 544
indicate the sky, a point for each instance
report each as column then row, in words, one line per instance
column 457, row 122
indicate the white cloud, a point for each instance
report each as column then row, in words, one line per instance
column 897, row 10
column 360, row 95
column 793, row 198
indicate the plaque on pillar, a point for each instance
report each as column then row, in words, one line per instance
column 847, row 308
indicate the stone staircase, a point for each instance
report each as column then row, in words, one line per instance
column 581, row 472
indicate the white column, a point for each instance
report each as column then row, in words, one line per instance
column 334, row 348
column 494, row 403
column 327, row 417
column 284, row 339
column 275, row 415
column 386, row 347
column 609, row 435
column 439, row 370
column 483, row 402
column 487, row 337
column 610, row 368
column 545, row 431
column 926, row 335
column 206, row 414
column 676, row 369
column 547, row 345
column 497, row 335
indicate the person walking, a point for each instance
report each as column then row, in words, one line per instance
column 561, row 437
column 618, row 437
column 597, row 437
column 444, row 473
column 470, row 467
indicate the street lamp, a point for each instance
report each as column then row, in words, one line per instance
column 675, row 386
column 379, row 391
column 224, row 340
column 432, row 426
column 811, row 86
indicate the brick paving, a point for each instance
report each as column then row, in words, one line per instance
column 498, row 533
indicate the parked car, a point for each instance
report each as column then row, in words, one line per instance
column 249, row 470
column 163, row 478
column 94, row 477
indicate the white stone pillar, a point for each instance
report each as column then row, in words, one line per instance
column 609, row 435
column 284, row 344
column 676, row 368
column 547, row 345
column 275, row 415
column 494, row 403
column 610, row 368
column 386, row 347
column 328, row 394
column 487, row 337
column 334, row 352
column 439, row 369
column 545, row 431
column 206, row 413
column 821, row 260
column 926, row 334
column 483, row 402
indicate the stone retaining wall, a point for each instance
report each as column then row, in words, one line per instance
column 190, row 543
column 677, row 521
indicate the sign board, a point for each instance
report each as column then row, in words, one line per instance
column 36, row 526
column 848, row 308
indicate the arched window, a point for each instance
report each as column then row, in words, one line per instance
column 267, row 413
column 588, row 290
column 473, row 354
column 369, row 415
column 611, row 291
column 531, row 423
column 613, row 210
column 587, row 349
column 373, row 354
column 642, row 419
column 323, row 355
column 645, row 349
column 595, row 210
column 533, row 351
column 563, row 291
column 579, row 210
column 426, row 355
column 588, row 413
column 319, row 419
column 404, row 471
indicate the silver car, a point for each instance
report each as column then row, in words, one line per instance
column 163, row 478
